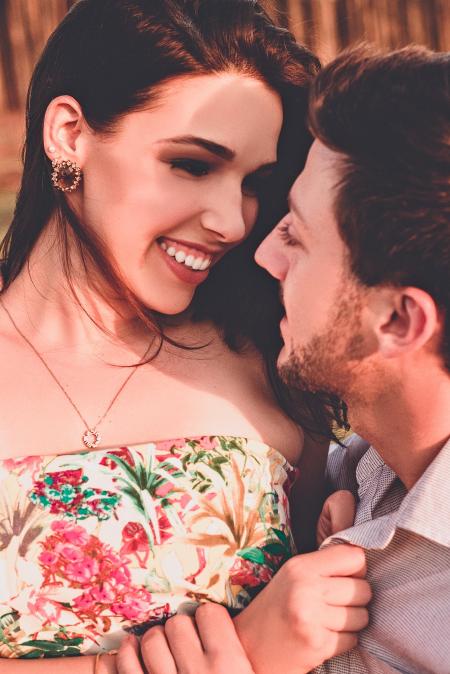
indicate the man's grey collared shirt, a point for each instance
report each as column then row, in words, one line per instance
column 406, row 536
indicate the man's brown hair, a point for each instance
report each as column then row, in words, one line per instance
column 388, row 114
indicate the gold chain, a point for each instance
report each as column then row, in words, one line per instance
column 91, row 437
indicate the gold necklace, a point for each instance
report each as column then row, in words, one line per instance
column 91, row 438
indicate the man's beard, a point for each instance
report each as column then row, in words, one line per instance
column 326, row 364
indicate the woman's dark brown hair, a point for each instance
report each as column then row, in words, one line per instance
column 112, row 56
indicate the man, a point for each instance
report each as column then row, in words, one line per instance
column 363, row 260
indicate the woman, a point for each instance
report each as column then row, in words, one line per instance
column 132, row 313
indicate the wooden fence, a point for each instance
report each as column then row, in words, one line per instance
column 326, row 26
column 323, row 25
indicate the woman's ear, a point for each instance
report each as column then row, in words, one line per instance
column 410, row 318
column 65, row 130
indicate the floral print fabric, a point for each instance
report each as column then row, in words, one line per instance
column 98, row 543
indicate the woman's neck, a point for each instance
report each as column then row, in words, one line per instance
column 57, row 313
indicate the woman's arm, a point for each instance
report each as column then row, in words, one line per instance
column 81, row 665
column 308, row 493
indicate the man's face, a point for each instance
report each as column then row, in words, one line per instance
column 322, row 330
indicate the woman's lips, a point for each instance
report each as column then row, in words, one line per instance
column 183, row 273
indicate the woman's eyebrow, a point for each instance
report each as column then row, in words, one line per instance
column 209, row 145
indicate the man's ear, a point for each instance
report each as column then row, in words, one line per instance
column 408, row 319
column 65, row 130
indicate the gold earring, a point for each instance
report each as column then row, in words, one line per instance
column 66, row 175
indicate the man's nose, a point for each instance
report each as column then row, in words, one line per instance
column 271, row 258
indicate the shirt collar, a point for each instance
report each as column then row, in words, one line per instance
column 425, row 510
column 369, row 466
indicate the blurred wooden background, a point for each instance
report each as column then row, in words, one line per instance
column 326, row 26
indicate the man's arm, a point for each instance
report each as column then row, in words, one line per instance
column 310, row 611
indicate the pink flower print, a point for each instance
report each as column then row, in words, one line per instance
column 165, row 527
column 69, row 493
column 48, row 558
column 82, row 572
column 166, row 447
column 120, row 575
column 135, row 540
column 122, row 453
column 71, row 553
column 46, row 609
column 164, row 489
column 201, row 565
column 76, row 535
column 207, row 442
column 59, row 526
column 105, row 594
column 249, row 574
column 32, row 464
column 84, row 602
column 135, row 605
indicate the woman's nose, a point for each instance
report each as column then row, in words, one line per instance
column 228, row 217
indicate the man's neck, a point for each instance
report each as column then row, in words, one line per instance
column 408, row 423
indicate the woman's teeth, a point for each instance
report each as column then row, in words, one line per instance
column 197, row 263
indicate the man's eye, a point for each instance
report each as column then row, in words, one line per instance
column 286, row 236
column 194, row 167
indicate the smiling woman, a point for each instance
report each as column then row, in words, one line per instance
column 161, row 140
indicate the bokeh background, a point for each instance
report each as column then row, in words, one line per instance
column 325, row 26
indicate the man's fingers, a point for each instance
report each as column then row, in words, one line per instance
column 156, row 653
column 127, row 659
column 341, row 642
column 346, row 591
column 352, row 619
column 338, row 560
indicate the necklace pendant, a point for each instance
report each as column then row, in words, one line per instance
column 91, row 439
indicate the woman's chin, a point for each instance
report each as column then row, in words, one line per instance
column 172, row 307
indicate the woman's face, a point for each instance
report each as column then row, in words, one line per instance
column 176, row 187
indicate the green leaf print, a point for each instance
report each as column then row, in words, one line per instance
column 283, row 538
column 53, row 649
column 275, row 549
column 141, row 484
column 255, row 555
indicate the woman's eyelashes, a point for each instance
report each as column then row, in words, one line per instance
column 194, row 167
column 253, row 185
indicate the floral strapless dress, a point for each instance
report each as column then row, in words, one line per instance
column 100, row 543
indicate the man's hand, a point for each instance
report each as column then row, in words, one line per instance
column 310, row 611
column 207, row 644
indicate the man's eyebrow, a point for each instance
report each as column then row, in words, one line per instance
column 209, row 145
column 294, row 208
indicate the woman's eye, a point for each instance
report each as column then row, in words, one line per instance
column 194, row 167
